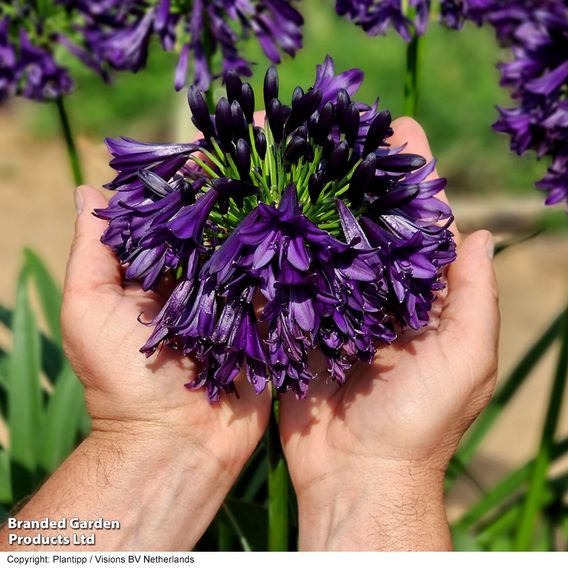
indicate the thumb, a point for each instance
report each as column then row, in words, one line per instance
column 91, row 263
column 471, row 310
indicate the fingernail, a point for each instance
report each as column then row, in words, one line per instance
column 79, row 201
column 490, row 246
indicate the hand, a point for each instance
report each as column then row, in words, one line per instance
column 139, row 403
column 368, row 459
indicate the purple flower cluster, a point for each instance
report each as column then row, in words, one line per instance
column 376, row 17
column 311, row 225
column 119, row 32
column 537, row 34
column 28, row 66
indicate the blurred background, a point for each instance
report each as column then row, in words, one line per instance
column 488, row 185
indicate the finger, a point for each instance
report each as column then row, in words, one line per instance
column 408, row 131
column 91, row 263
column 471, row 310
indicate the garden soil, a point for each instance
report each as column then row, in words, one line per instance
column 36, row 196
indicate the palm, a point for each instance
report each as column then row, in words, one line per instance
column 123, row 387
column 396, row 409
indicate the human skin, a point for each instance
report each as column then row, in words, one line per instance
column 367, row 460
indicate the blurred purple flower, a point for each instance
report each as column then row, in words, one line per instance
column 119, row 32
column 342, row 237
column 536, row 32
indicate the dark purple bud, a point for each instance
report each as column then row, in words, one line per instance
column 154, row 182
column 274, row 114
column 200, row 113
column 339, row 159
column 295, row 150
column 351, row 127
column 302, row 109
column 247, row 102
column 224, row 123
column 301, row 132
column 315, row 185
column 234, row 86
column 260, row 142
column 378, row 131
column 395, row 198
column 342, row 103
column 325, row 123
column 242, row 158
column 328, row 145
column 400, row 163
column 361, row 180
column 229, row 187
column 238, row 119
column 297, row 95
column 270, row 85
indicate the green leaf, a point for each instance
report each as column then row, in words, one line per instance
column 65, row 412
column 464, row 542
column 51, row 355
column 5, row 478
column 278, row 526
column 503, row 395
column 49, row 294
column 25, row 396
column 533, row 503
column 249, row 522
column 4, row 514
column 503, row 491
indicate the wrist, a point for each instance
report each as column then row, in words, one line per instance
column 163, row 494
column 391, row 506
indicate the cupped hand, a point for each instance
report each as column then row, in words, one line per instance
column 366, row 455
column 128, row 394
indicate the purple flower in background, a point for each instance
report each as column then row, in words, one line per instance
column 119, row 32
column 536, row 32
column 28, row 65
column 339, row 235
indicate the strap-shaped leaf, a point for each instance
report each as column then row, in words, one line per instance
column 25, row 397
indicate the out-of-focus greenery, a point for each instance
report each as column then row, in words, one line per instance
column 459, row 92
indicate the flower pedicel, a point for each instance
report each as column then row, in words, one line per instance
column 340, row 233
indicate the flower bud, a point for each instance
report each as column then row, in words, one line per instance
column 247, row 102
column 270, row 85
column 362, row 179
column 242, row 158
column 395, row 198
column 315, row 185
column 224, row 123
column 234, row 86
column 200, row 113
column 378, row 131
column 400, row 163
column 260, row 142
column 297, row 95
column 238, row 120
column 295, row 150
column 274, row 114
column 339, row 159
column 342, row 102
column 302, row 109
column 351, row 127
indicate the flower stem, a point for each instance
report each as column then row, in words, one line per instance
column 72, row 152
column 413, row 60
column 537, row 485
column 277, row 487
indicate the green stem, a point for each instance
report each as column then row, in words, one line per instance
column 236, row 527
column 533, row 502
column 72, row 152
column 277, row 488
column 413, row 60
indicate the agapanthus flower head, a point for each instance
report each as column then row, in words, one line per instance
column 406, row 17
column 536, row 32
column 311, row 215
column 29, row 39
column 119, row 32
